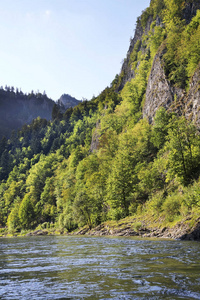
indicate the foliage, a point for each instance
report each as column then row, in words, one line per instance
column 171, row 207
column 160, row 128
column 51, row 176
column 154, row 10
column 26, row 212
column 182, row 55
column 13, row 221
column 191, row 196
column 183, row 146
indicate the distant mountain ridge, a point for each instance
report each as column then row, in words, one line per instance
column 66, row 101
column 18, row 109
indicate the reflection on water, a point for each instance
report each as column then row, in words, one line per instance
column 98, row 268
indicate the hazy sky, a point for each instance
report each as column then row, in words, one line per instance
column 65, row 46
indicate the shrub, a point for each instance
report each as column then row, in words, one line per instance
column 191, row 196
column 156, row 202
column 171, row 207
column 137, row 226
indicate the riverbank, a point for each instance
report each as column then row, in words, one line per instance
column 187, row 229
column 146, row 226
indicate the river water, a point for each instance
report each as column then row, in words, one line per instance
column 72, row 267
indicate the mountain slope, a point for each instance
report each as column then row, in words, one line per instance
column 18, row 109
column 173, row 77
column 66, row 101
column 103, row 160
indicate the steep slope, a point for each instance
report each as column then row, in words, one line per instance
column 159, row 92
column 103, row 160
column 177, row 91
column 143, row 26
column 173, row 82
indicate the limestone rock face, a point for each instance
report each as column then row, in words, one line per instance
column 95, row 138
column 161, row 93
column 127, row 71
column 158, row 92
column 126, row 67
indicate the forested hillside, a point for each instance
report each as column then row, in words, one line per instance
column 17, row 108
column 133, row 150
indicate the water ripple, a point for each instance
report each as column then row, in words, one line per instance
column 98, row 268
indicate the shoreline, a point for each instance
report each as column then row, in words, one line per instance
column 181, row 231
column 187, row 229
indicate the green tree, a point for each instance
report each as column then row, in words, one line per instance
column 13, row 221
column 120, row 184
column 26, row 213
column 160, row 127
column 46, row 206
column 88, row 200
column 134, row 148
column 174, row 67
column 83, row 208
column 183, row 147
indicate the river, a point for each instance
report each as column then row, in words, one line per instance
column 71, row 267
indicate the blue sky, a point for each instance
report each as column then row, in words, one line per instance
column 65, row 46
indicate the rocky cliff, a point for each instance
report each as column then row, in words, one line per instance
column 127, row 72
column 160, row 91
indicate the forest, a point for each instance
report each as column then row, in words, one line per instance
column 102, row 160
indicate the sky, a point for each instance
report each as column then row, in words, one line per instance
column 65, row 46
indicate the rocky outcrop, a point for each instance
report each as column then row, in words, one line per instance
column 160, row 93
column 95, row 138
column 190, row 10
column 127, row 71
